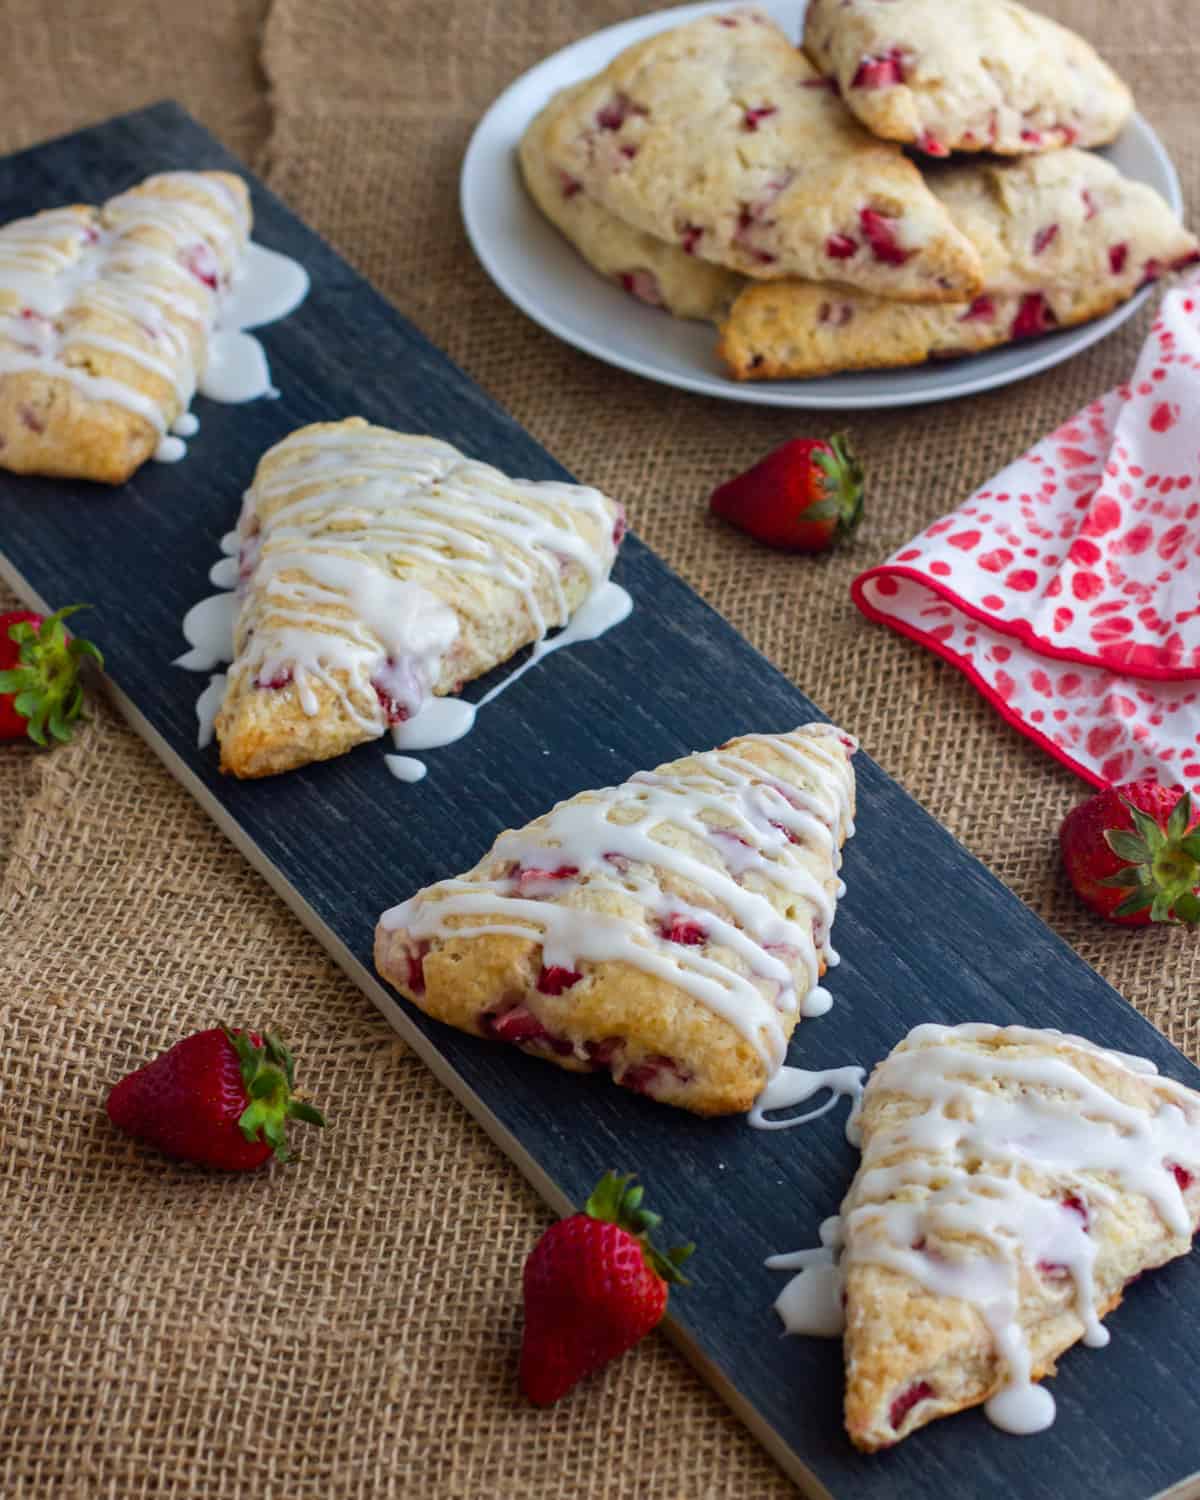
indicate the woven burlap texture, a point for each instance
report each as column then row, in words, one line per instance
column 349, row 1328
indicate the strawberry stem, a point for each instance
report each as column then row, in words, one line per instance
column 616, row 1202
column 268, row 1076
column 1163, row 864
column 44, row 684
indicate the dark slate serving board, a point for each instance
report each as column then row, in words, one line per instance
column 925, row 932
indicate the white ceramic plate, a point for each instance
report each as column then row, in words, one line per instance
column 538, row 270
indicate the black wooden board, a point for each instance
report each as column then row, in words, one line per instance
column 925, row 931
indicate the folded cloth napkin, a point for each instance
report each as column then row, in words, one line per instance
column 1068, row 587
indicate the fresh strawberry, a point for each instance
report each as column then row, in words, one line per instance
column 1133, row 854
column 803, row 497
column 39, row 675
column 594, row 1286
column 221, row 1098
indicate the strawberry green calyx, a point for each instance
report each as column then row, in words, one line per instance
column 268, row 1076
column 615, row 1201
column 44, row 684
column 842, row 484
column 1163, row 870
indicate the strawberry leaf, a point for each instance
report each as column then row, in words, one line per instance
column 1191, row 845
column 1181, row 816
column 1160, row 908
column 1128, row 846
column 1128, row 878
column 1187, row 908
column 1139, row 901
column 1147, row 826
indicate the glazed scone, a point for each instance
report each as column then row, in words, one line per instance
column 719, row 136
column 378, row 568
column 966, row 75
column 668, row 931
column 1012, row 1183
column 1063, row 238
column 105, row 316
column 660, row 274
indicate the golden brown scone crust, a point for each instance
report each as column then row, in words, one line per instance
column 265, row 730
column 719, row 135
column 651, row 1033
column 973, row 75
column 55, row 426
column 1062, row 238
column 900, row 1335
column 660, row 274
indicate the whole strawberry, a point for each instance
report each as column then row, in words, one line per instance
column 220, row 1098
column 40, row 689
column 594, row 1286
column 803, row 497
column 1133, row 855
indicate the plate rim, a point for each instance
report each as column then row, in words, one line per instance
column 1044, row 354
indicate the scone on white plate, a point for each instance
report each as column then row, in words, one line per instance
column 667, row 931
column 1013, row 1182
column 105, row 316
column 721, row 138
column 660, row 273
column 1063, row 238
column 966, row 75
column 379, row 568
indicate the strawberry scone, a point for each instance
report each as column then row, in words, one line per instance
column 970, row 75
column 1062, row 238
column 720, row 137
column 377, row 569
column 670, row 931
column 654, row 271
column 1013, row 1182
column 105, row 317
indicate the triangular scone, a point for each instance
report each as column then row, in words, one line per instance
column 379, row 568
column 660, row 274
column 1063, row 238
column 668, row 931
column 968, row 75
column 105, row 315
column 1012, row 1182
column 721, row 137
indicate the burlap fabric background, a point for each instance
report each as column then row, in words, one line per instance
column 349, row 1328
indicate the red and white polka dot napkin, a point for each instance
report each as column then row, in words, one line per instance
column 1068, row 587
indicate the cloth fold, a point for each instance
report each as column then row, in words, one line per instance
column 1068, row 587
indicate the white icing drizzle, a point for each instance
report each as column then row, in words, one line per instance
column 63, row 262
column 207, row 705
column 791, row 1086
column 404, row 768
column 984, row 1186
column 784, row 833
column 811, row 1303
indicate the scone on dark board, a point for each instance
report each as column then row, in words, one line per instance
column 966, row 75
column 105, row 316
column 1013, row 1182
column 668, row 931
column 1063, row 238
column 379, row 568
column 720, row 137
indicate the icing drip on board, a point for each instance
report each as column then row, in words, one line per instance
column 734, row 950
column 321, row 532
column 791, row 1086
column 999, row 1180
column 84, row 282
